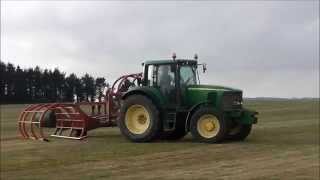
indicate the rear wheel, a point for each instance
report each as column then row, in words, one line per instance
column 239, row 132
column 139, row 119
column 207, row 125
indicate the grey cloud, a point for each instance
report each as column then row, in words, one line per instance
column 256, row 46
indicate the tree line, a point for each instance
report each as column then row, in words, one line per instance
column 34, row 85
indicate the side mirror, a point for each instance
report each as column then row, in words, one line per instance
column 204, row 67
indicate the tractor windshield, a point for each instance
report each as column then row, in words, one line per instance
column 188, row 75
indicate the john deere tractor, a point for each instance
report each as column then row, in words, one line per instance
column 170, row 102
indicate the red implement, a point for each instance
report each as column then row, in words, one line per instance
column 71, row 120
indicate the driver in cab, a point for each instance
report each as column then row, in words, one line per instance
column 165, row 79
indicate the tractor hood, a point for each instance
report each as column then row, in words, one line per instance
column 196, row 94
column 211, row 88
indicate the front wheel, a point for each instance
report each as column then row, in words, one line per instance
column 207, row 125
column 139, row 119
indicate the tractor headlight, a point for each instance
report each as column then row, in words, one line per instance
column 237, row 103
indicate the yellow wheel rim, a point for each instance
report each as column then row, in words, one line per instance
column 137, row 119
column 208, row 126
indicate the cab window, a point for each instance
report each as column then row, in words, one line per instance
column 151, row 75
column 166, row 79
column 188, row 75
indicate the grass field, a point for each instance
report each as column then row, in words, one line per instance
column 283, row 145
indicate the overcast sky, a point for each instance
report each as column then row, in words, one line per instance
column 262, row 47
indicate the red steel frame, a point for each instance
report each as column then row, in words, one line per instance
column 71, row 116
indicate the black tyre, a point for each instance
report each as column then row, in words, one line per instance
column 178, row 133
column 239, row 132
column 207, row 125
column 139, row 119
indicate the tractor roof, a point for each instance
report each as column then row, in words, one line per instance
column 170, row 61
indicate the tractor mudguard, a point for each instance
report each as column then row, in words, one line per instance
column 150, row 92
column 192, row 110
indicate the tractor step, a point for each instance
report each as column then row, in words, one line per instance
column 170, row 122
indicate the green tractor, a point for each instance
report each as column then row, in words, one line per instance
column 170, row 102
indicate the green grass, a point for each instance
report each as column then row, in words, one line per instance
column 283, row 145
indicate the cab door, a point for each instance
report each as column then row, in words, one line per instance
column 187, row 77
column 163, row 77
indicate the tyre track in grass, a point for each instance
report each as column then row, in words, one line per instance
column 241, row 165
column 284, row 145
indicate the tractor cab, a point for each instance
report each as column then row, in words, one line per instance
column 171, row 78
